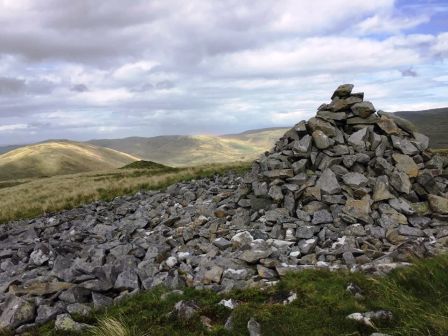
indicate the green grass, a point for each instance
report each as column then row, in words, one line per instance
column 417, row 297
column 142, row 164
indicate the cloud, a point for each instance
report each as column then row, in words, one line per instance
column 15, row 127
column 79, row 88
column 78, row 68
column 11, row 85
column 409, row 73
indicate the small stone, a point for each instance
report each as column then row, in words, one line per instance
column 253, row 327
column 46, row 313
column 100, row 300
column 438, row 204
column 404, row 145
column 328, row 182
column 242, row 239
column 303, row 145
column 343, row 91
column 321, row 140
column 15, row 312
column 319, row 124
column 213, row 275
column 230, row 303
column 400, row 181
column 253, row 255
column 406, row 164
column 355, row 180
column 186, row 310
column 322, row 216
column 266, row 273
column 39, row 257
column 407, row 230
column 171, row 262
column 222, row 243
column 363, row 110
column 381, row 190
column 305, row 232
column 358, row 138
column 388, row 126
column 359, row 209
column 79, row 308
column 64, row 322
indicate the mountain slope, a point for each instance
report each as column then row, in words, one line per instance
column 433, row 123
column 185, row 150
column 57, row 158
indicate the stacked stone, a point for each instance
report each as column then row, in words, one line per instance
column 351, row 186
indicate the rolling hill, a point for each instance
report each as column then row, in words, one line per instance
column 186, row 150
column 57, row 158
column 433, row 123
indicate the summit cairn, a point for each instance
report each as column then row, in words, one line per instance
column 351, row 187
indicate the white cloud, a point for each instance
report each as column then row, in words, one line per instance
column 14, row 127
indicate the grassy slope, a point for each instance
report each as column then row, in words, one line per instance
column 201, row 149
column 57, row 158
column 433, row 123
column 31, row 198
column 417, row 297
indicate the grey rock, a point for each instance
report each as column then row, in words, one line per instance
column 253, row 327
column 343, row 91
column 303, row 145
column 404, row 145
column 64, row 322
column 358, row 138
column 99, row 300
column 46, row 313
column 355, row 180
column 363, row 110
column 16, row 311
column 322, row 216
column 186, row 310
column 400, row 181
column 79, row 309
column 328, row 182
column 321, row 140
column 222, row 243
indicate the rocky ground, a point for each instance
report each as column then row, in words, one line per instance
column 349, row 189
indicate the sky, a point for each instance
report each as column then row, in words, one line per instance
column 110, row 69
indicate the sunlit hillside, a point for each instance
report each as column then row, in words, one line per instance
column 181, row 150
column 57, row 158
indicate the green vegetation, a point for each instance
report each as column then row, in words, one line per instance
column 142, row 164
column 59, row 158
column 31, row 198
column 417, row 297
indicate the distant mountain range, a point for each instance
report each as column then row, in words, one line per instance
column 55, row 157
column 187, row 150
column 433, row 123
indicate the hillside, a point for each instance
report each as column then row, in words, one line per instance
column 57, row 158
column 432, row 122
column 185, row 150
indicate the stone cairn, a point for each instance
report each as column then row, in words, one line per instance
column 351, row 189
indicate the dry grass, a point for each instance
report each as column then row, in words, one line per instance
column 35, row 197
column 113, row 327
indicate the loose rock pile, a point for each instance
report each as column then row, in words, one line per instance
column 349, row 189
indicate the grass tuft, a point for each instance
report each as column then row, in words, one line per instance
column 109, row 326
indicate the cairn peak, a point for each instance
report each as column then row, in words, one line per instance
column 369, row 170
